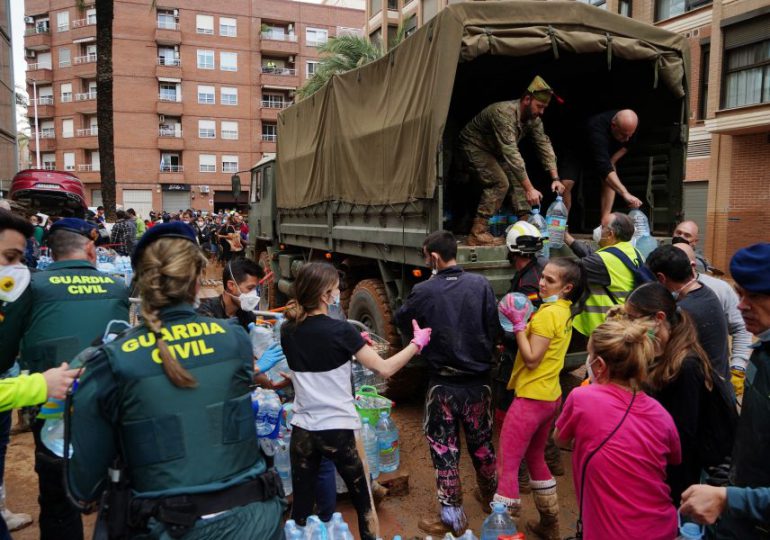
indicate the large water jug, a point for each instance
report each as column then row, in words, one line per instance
column 282, row 463
column 387, row 440
column 642, row 239
column 369, row 436
column 556, row 218
column 499, row 523
column 538, row 221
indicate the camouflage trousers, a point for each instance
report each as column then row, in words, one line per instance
column 496, row 178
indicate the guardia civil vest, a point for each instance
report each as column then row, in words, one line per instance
column 70, row 305
column 173, row 438
column 599, row 302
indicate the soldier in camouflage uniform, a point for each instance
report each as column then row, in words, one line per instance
column 490, row 144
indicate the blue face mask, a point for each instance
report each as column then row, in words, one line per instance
column 550, row 299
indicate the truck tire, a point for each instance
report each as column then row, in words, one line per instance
column 369, row 305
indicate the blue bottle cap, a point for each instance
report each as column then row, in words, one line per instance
column 691, row 531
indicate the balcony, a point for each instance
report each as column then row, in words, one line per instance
column 45, row 108
column 86, row 96
column 279, row 42
column 84, row 66
column 88, row 132
column 37, row 38
column 172, row 173
column 272, row 104
column 47, row 141
column 170, row 138
column 269, row 114
column 83, row 28
column 280, row 76
column 168, row 105
column 40, row 72
column 169, row 67
column 168, row 33
column 88, row 167
column 269, row 137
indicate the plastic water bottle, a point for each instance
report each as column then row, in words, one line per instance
column 556, row 218
column 261, row 339
column 267, row 412
column 387, row 440
column 315, row 529
column 642, row 239
column 52, row 436
column 369, row 435
column 499, row 523
column 334, row 523
column 689, row 531
column 342, row 533
column 468, row 535
column 290, row 527
column 538, row 221
column 282, row 462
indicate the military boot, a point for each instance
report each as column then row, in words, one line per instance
column 480, row 235
column 547, row 504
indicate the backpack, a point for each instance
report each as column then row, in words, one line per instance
column 641, row 273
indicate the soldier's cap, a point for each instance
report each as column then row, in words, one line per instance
column 750, row 268
column 76, row 225
column 173, row 229
column 541, row 91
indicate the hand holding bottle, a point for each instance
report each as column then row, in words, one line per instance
column 270, row 358
column 421, row 336
column 59, row 379
column 516, row 315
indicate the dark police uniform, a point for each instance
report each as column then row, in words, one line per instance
column 176, row 442
column 64, row 309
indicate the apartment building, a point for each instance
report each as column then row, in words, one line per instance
column 7, row 100
column 727, row 187
column 197, row 91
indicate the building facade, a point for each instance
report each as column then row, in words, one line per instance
column 197, row 91
column 727, row 187
column 7, row 100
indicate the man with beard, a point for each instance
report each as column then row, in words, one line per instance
column 490, row 144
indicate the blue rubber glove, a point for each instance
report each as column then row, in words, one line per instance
column 270, row 358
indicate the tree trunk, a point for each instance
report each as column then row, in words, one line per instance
column 104, row 112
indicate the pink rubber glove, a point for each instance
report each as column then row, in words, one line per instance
column 421, row 336
column 367, row 338
column 516, row 316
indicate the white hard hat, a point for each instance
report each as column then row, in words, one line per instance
column 523, row 237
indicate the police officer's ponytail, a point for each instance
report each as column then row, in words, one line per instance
column 167, row 274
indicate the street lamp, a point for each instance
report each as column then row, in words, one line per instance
column 37, row 127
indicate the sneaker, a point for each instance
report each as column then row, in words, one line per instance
column 15, row 521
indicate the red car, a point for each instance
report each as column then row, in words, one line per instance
column 55, row 193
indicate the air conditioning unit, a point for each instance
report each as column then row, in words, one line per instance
column 29, row 53
column 176, row 13
column 29, row 20
column 204, row 189
column 161, row 118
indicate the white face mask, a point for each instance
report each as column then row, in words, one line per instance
column 591, row 376
column 597, row 235
column 249, row 301
column 14, row 279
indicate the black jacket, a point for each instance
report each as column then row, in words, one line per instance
column 461, row 308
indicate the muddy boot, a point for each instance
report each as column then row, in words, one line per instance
column 547, row 504
column 553, row 458
column 513, row 505
column 12, row 520
column 483, row 501
column 452, row 519
column 480, row 235
column 524, row 486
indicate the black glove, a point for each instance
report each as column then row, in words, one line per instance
column 719, row 475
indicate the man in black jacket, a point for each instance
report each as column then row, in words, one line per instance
column 461, row 308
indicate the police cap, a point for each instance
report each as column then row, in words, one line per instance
column 173, row 229
column 76, row 225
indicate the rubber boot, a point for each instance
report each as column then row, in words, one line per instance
column 480, row 235
column 524, row 486
column 553, row 458
column 547, row 504
column 12, row 520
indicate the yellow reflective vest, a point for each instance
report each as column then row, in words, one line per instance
column 621, row 284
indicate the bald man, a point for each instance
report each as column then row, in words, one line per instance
column 687, row 232
column 604, row 141
column 736, row 327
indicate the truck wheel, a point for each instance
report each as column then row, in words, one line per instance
column 269, row 299
column 369, row 305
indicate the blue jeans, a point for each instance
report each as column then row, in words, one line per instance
column 326, row 490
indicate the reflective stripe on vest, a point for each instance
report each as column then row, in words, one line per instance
column 599, row 302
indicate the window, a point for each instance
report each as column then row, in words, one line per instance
column 410, row 26
column 204, row 24
column 392, row 35
column 665, row 9
column 228, row 95
column 273, row 101
column 168, row 92
column 429, row 10
column 63, row 21
column 66, row 92
column 45, row 95
column 49, row 162
column 269, row 132
column 206, row 95
column 168, row 56
column 168, row 19
column 69, row 161
column 67, row 128
column 228, row 27
column 747, row 75
column 376, row 37
column 207, row 129
column 229, row 163
column 375, row 6
column 42, row 26
column 229, row 130
column 205, row 59
column 91, row 16
column 207, row 163
column 228, row 61
column 47, row 130
column 311, row 68
column 65, row 57
column 705, row 58
column 170, row 162
column 393, row 5
column 624, row 8
column 598, row 3
column 315, row 37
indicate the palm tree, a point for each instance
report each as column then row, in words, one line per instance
column 104, row 112
column 341, row 54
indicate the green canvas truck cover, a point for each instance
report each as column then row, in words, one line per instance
column 371, row 136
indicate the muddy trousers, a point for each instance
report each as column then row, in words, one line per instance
column 446, row 409
column 339, row 447
column 496, row 178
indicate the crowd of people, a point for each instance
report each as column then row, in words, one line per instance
column 161, row 418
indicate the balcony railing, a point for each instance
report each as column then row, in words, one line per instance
column 62, row 27
column 168, row 168
column 85, row 59
column 171, row 62
column 275, row 104
column 168, row 97
column 88, row 132
column 316, row 42
column 168, row 25
column 88, row 167
column 66, row 98
column 38, row 65
column 65, row 63
column 270, row 70
column 268, row 137
column 85, row 96
column 80, row 23
column 42, row 100
column 47, row 133
column 170, row 132
column 35, row 30
column 48, row 166
column 279, row 36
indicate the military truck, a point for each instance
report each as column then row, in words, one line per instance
column 364, row 167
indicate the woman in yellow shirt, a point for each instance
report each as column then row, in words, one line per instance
column 542, row 345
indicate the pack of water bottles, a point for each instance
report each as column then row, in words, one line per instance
column 315, row 529
column 45, row 260
column 263, row 337
column 267, row 409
